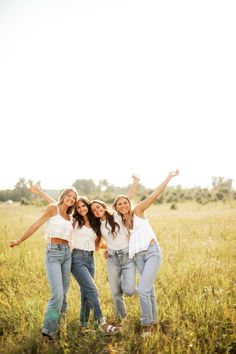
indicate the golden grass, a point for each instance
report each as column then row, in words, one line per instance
column 195, row 288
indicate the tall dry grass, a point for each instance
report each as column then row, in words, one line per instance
column 195, row 287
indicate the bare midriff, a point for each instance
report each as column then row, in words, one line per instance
column 58, row 241
column 152, row 242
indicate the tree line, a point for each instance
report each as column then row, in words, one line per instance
column 221, row 190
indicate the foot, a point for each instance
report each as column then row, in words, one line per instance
column 108, row 329
column 147, row 331
column 48, row 337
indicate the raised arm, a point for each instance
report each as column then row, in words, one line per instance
column 143, row 205
column 36, row 189
column 35, row 226
column 133, row 189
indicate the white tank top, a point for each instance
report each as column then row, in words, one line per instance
column 121, row 240
column 58, row 227
column 140, row 236
column 83, row 238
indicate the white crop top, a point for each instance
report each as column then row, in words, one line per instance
column 140, row 236
column 83, row 238
column 57, row 226
column 121, row 240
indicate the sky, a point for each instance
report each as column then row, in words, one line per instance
column 101, row 89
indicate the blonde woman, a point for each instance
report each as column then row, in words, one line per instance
column 58, row 233
column 144, row 249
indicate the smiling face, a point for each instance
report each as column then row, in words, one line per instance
column 70, row 198
column 98, row 210
column 81, row 208
column 122, row 205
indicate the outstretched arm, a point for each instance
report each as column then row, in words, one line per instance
column 133, row 189
column 36, row 189
column 35, row 226
column 142, row 206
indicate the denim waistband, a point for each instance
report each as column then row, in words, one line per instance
column 56, row 246
column 123, row 251
column 83, row 252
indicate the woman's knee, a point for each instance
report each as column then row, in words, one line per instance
column 129, row 290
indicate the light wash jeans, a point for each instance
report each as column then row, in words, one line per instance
column 122, row 278
column 148, row 264
column 58, row 265
column 83, row 270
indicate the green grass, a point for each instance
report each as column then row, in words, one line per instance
column 195, row 287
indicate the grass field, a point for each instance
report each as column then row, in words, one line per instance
column 195, row 287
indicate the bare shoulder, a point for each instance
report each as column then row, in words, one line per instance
column 138, row 211
column 51, row 209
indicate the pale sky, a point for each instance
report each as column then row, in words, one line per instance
column 100, row 89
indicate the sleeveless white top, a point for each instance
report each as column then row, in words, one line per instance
column 57, row 226
column 83, row 238
column 140, row 236
column 118, row 241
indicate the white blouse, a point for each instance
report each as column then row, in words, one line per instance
column 57, row 226
column 118, row 241
column 83, row 238
column 140, row 236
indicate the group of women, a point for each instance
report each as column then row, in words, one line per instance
column 83, row 226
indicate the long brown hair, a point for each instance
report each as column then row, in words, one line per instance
column 115, row 227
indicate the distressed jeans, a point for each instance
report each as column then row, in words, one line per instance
column 58, row 265
column 83, row 270
column 122, row 278
column 148, row 264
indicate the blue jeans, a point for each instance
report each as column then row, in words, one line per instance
column 58, row 265
column 122, row 278
column 83, row 270
column 148, row 264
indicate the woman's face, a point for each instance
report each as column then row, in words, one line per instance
column 123, row 206
column 98, row 210
column 81, row 208
column 70, row 199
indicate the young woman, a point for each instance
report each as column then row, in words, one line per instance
column 144, row 247
column 121, row 269
column 86, row 239
column 58, row 233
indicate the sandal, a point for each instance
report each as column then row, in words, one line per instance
column 108, row 329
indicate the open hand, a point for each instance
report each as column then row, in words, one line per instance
column 35, row 188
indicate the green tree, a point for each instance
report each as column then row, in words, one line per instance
column 85, row 186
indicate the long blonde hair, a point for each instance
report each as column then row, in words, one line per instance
column 62, row 196
column 128, row 223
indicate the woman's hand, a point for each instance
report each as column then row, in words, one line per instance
column 173, row 173
column 105, row 254
column 135, row 177
column 35, row 188
column 14, row 243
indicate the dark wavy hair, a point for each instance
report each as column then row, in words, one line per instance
column 115, row 227
column 93, row 221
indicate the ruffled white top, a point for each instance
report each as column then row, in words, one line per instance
column 121, row 240
column 140, row 236
column 83, row 238
column 59, row 227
